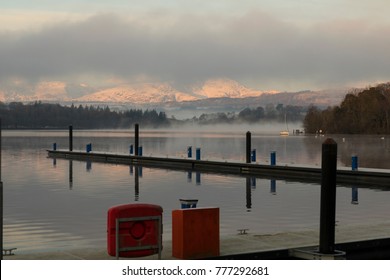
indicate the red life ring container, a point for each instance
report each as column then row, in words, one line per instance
column 138, row 232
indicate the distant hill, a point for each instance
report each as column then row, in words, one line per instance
column 221, row 93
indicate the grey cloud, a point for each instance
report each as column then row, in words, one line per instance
column 191, row 48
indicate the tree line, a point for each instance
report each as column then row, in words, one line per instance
column 253, row 115
column 44, row 115
column 364, row 111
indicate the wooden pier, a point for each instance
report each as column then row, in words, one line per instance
column 281, row 172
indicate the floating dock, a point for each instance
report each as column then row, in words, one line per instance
column 373, row 178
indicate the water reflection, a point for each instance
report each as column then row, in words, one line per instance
column 137, row 172
column 88, row 165
column 248, row 194
column 70, row 174
column 273, row 186
column 355, row 196
column 40, row 213
column 198, row 177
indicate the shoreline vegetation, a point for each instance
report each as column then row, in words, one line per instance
column 38, row 115
column 364, row 111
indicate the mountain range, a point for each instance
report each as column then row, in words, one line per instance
column 214, row 93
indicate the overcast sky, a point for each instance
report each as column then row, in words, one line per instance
column 264, row 44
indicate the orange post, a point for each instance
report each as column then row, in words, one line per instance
column 195, row 233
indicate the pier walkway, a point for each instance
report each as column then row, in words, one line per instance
column 377, row 178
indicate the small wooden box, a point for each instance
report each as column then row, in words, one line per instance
column 195, row 233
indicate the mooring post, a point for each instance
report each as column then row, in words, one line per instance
column 189, row 151
column 253, row 155
column 248, row 147
column 131, row 149
column 70, row 138
column 54, row 146
column 354, row 163
column 197, row 153
column 136, row 139
column 1, row 197
column 273, row 158
column 328, row 197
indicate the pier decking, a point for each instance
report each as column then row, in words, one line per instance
column 375, row 178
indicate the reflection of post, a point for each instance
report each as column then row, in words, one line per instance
column 131, row 170
column 189, row 176
column 198, row 180
column 273, row 186
column 248, row 194
column 136, row 184
column 54, row 161
column 89, row 165
column 253, row 182
column 355, row 197
column 70, row 174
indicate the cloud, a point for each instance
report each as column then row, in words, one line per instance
column 265, row 51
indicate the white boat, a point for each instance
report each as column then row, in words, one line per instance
column 285, row 132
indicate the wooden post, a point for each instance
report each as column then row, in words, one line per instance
column 328, row 197
column 136, row 139
column 70, row 138
column 1, row 196
column 248, row 147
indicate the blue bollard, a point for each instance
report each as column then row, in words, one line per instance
column 253, row 155
column 354, row 163
column 140, row 151
column 89, row 147
column 189, row 152
column 197, row 153
column 54, row 146
column 131, row 149
column 273, row 158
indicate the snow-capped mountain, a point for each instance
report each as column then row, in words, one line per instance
column 138, row 94
column 223, row 93
column 125, row 93
column 225, row 88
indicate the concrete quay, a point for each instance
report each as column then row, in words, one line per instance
column 368, row 241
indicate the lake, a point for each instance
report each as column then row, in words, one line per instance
column 60, row 204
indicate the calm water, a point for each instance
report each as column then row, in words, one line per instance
column 53, row 204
